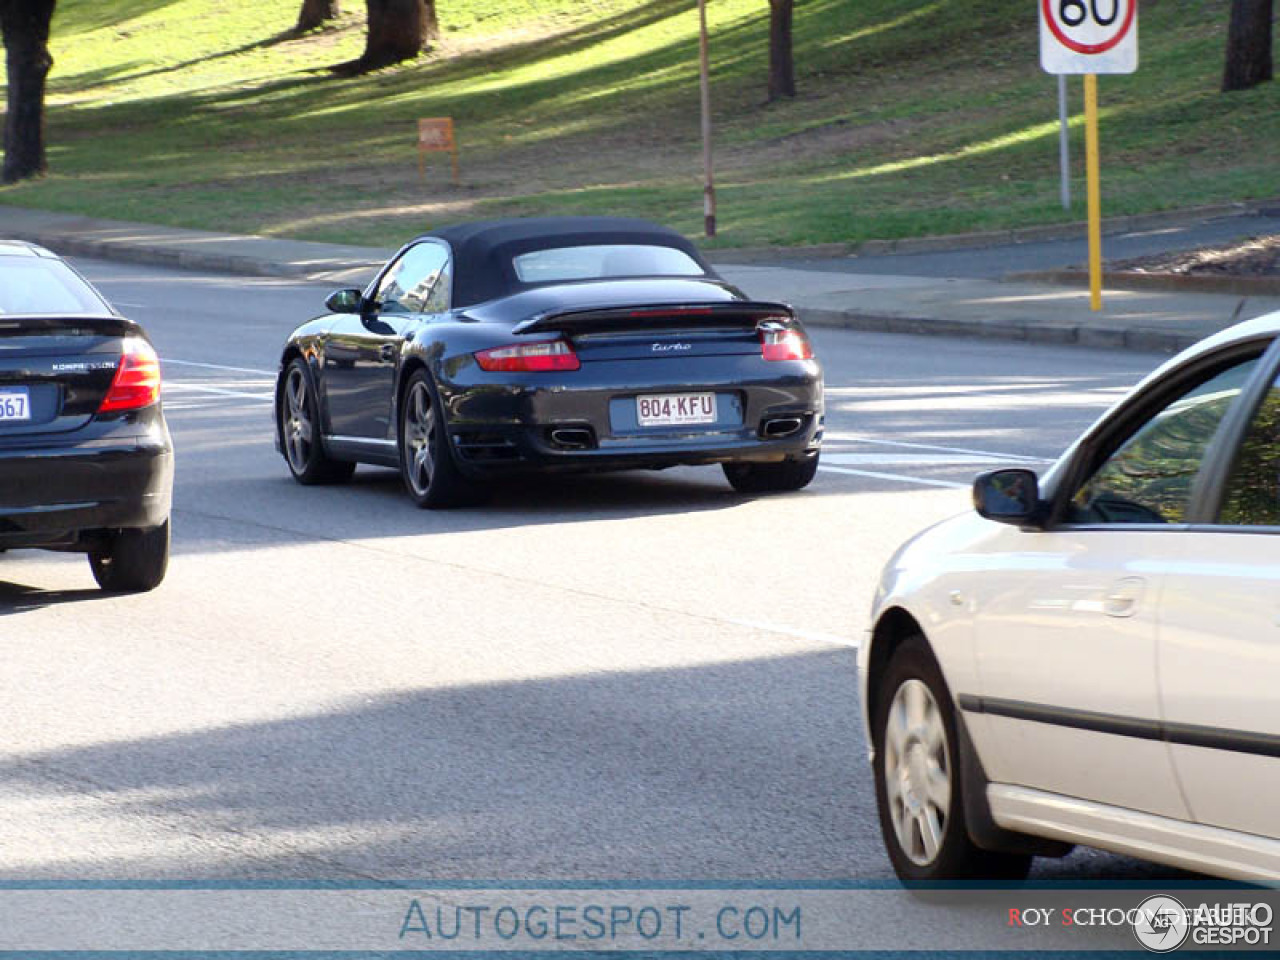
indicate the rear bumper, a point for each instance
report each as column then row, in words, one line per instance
column 588, row 421
column 509, row 450
column 61, row 496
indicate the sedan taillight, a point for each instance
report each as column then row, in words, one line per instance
column 137, row 380
column 540, row 357
column 779, row 342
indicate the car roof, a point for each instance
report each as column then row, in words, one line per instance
column 20, row 248
column 483, row 250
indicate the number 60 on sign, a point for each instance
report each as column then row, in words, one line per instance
column 1089, row 36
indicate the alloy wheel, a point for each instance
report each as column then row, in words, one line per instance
column 299, row 433
column 419, row 438
column 917, row 772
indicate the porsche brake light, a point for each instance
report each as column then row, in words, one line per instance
column 778, row 342
column 541, row 357
column 137, row 380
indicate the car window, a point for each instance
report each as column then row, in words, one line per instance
column 598, row 261
column 1149, row 478
column 410, row 285
column 37, row 285
column 1252, row 495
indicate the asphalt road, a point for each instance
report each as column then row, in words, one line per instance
column 639, row 676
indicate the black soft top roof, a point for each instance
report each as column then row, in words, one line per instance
column 483, row 251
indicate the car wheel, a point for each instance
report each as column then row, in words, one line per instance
column 772, row 477
column 917, row 777
column 132, row 561
column 300, row 431
column 426, row 462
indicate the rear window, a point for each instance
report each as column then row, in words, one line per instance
column 34, row 285
column 599, row 261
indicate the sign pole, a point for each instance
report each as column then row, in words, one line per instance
column 709, row 189
column 1064, row 145
column 1090, row 38
column 1095, row 192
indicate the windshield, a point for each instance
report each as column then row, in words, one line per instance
column 600, row 261
column 39, row 285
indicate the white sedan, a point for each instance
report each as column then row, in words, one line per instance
column 1093, row 656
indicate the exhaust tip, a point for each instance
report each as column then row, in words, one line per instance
column 573, row 438
column 781, row 427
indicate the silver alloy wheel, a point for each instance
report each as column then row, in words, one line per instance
column 917, row 772
column 298, row 431
column 419, row 438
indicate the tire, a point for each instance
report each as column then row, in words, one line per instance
column 133, row 561
column 298, row 423
column 918, row 779
column 427, row 467
column 772, row 477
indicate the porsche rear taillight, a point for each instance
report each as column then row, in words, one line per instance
column 137, row 380
column 541, row 357
column 781, row 342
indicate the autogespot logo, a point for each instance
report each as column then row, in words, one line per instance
column 1161, row 924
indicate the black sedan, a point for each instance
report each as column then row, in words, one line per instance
column 582, row 343
column 86, row 464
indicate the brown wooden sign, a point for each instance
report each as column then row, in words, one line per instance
column 435, row 135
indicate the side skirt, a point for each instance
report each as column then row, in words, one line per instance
column 1191, row 846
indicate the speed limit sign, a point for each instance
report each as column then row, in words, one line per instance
column 1089, row 36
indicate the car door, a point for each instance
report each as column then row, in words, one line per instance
column 1066, row 617
column 1220, row 633
column 362, row 352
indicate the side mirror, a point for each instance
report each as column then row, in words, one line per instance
column 1008, row 496
column 345, row 301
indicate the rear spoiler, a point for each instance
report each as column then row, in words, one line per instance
column 103, row 325
column 737, row 313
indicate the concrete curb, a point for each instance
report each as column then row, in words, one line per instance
column 187, row 254
column 1115, row 337
column 1240, row 286
column 987, row 238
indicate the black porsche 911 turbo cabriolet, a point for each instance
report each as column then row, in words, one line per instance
column 572, row 343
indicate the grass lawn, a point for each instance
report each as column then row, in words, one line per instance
column 913, row 117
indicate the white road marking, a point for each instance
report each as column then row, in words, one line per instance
column 896, row 477
column 905, row 459
column 858, row 438
column 183, row 387
column 217, row 366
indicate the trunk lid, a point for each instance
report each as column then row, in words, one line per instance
column 54, row 372
column 674, row 331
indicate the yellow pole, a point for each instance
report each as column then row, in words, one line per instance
column 1095, row 191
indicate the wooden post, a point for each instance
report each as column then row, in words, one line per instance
column 709, row 189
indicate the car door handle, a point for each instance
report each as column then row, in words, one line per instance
column 1123, row 597
column 387, row 351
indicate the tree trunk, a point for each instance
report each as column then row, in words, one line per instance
column 24, row 25
column 432, row 27
column 782, row 74
column 1248, row 45
column 398, row 30
column 316, row 13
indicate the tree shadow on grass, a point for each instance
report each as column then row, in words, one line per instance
column 70, row 19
